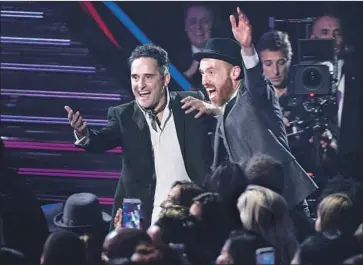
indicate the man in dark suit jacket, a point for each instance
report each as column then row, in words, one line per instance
column 161, row 144
column 198, row 24
column 350, row 133
column 348, row 94
column 252, row 120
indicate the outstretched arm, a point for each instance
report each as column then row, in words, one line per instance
column 255, row 82
column 107, row 138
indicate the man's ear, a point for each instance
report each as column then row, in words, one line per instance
column 167, row 79
column 236, row 72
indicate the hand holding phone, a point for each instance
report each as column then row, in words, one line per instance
column 117, row 221
column 131, row 213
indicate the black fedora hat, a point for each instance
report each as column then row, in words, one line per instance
column 81, row 210
column 224, row 49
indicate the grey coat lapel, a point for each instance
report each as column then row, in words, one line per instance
column 179, row 120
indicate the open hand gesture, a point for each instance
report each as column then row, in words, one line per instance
column 190, row 104
column 242, row 30
column 117, row 220
column 76, row 121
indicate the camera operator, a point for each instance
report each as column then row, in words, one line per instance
column 276, row 53
column 348, row 93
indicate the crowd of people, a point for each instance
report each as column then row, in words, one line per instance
column 228, row 220
column 216, row 177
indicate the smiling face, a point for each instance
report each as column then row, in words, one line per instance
column 218, row 79
column 198, row 25
column 148, row 84
column 275, row 67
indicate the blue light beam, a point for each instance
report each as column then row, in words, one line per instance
column 140, row 36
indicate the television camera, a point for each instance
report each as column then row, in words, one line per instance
column 312, row 88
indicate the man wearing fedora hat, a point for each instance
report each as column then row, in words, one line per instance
column 252, row 121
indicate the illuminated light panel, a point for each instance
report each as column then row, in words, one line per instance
column 41, row 41
column 49, row 146
column 59, row 94
column 21, row 14
column 47, row 120
column 47, row 67
column 69, row 173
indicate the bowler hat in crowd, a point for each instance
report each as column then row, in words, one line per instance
column 224, row 49
column 82, row 210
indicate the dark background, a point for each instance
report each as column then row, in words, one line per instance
column 162, row 22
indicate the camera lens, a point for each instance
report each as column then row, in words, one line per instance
column 311, row 78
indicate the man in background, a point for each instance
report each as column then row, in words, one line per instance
column 348, row 94
column 199, row 22
column 275, row 51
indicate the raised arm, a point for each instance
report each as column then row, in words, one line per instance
column 255, row 82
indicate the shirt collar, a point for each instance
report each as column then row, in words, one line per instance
column 233, row 96
column 195, row 49
column 166, row 113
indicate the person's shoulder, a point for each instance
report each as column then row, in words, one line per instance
column 122, row 107
column 184, row 94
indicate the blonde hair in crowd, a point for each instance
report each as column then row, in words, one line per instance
column 336, row 213
column 266, row 213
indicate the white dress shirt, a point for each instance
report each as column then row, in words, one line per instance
column 250, row 61
column 340, row 86
column 340, row 91
column 168, row 159
column 195, row 49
